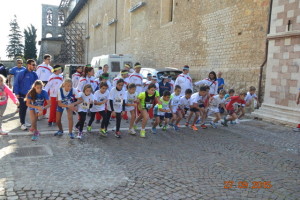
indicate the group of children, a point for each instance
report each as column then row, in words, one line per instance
column 85, row 93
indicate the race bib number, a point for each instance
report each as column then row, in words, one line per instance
column 85, row 105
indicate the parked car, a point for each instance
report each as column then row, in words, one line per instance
column 168, row 71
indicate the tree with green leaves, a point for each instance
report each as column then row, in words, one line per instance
column 30, row 43
column 15, row 46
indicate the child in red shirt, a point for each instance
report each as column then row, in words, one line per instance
column 230, row 107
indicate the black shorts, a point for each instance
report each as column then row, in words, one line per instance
column 167, row 116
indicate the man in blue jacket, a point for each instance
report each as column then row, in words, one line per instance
column 22, row 84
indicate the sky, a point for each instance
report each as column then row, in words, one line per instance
column 27, row 12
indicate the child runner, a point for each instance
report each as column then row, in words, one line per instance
column 100, row 100
column 162, row 111
column 124, row 75
column 197, row 105
column 35, row 100
column 53, row 85
column 65, row 99
column 5, row 92
column 230, row 107
column 249, row 100
column 214, row 104
column 83, row 107
column 131, row 105
column 104, row 78
column 185, row 102
column 116, row 106
column 86, row 78
column 147, row 100
column 176, row 112
column 153, row 80
column 76, row 76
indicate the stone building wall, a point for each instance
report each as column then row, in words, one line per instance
column 225, row 35
column 283, row 73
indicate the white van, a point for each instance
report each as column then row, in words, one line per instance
column 115, row 62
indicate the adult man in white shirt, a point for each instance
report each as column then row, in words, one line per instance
column 44, row 70
column 184, row 80
column 137, row 78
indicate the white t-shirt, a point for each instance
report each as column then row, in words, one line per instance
column 75, row 93
column 249, row 97
column 87, row 101
column 130, row 99
column 44, row 71
column 175, row 101
column 99, row 97
column 216, row 101
column 196, row 98
column 137, row 79
column 184, row 102
column 117, row 97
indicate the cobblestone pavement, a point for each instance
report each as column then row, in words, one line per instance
column 168, row 165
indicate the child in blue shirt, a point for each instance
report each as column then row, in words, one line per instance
column 35, row 99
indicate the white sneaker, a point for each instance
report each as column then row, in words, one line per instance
column 27, row 124
column 132, row 132
column 23, row 127
column 237, row 121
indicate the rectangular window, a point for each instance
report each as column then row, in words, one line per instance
column 115, row 66
column 167, row 11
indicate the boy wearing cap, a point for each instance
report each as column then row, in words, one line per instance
column 184, row 80
column 52, row 87
column 137, row 78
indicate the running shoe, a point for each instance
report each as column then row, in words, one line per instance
column 89, row 129
column 198, row 121
column 23, row 127
column 143, row 133
column 164, row 128
column 176, row 128
column 118, row 134
column 103, row 132
column 58, row 133
column 132, row 132
column 2, row 132
column 194, row 128
column 203, row 126
column 187, row 124
column 35, row 136
column 237, row 121
column 213, row 124
column 79, row 136
column 72, row 136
